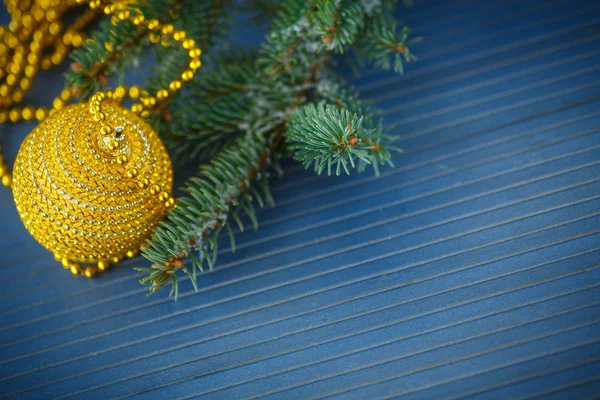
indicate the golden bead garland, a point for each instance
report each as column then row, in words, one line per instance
column 41, row 23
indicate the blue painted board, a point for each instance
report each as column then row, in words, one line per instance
column 470, row 270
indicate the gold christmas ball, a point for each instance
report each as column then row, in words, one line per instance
column 82, row 186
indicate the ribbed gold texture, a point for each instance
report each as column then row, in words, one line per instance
column 88, row 191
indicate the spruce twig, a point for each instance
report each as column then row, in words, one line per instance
column 246, row 108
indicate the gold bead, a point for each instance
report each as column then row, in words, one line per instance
column 164, row 196
column 108, row 9
column 187, row 75
column 65, row 95
column 28, row 113
column 155, row 189
column 153, row 24
column 189, row 44
column 132, row 173
column 65, row 263
column 134, row 92
column 57, row 103
column 26, row 20
column 15, row 69
column 124, row 15
column 138, row 19
column 175, row 85
column 148, row 101
column 41, row 114
column 162, row 94
column 115, row 259
column 170, row 203
column 46, row 63
column 167, row 29
column 11, row 79
column 7, row 180
column 179, row 36
column 32, row 59
column 77, row 40
column 54, row 27
column 144, row 183
column 103, row 265
column 113, row 145
column 30, row 71
column 18, row 57
column 120, row 92
column 14, row 115
column 17, row 96
column 51, row 15
column 25, row 83
column 105, row 130
column 154, row 38
column 137, row 108
column 56, row 58
column 12, row 42
column 131, row 254
column 90, row 272
column 75, row 269
column 34, row 46
column 122, row 159
column 195, row 53
column 38, row 14
column 67, row 37
column 38, row 35
column 195, row 64
column 108, row 46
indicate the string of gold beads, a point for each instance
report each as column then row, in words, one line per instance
column 29, row 33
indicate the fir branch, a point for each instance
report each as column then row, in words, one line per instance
column 223, row 104
column 246, row 102
column 283, row 47
column 384, row 45
column 324, row 136
column 224, row 189
column 102, row 56
column 333, row 91
column 337, row 23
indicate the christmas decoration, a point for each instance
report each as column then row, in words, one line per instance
column 91, row 192
column 248, row 109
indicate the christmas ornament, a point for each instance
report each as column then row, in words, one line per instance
column 92, row 180
column 91, row 191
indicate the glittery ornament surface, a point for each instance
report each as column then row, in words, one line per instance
column 90, row 194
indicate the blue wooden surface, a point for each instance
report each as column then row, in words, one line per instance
column 469, row 270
